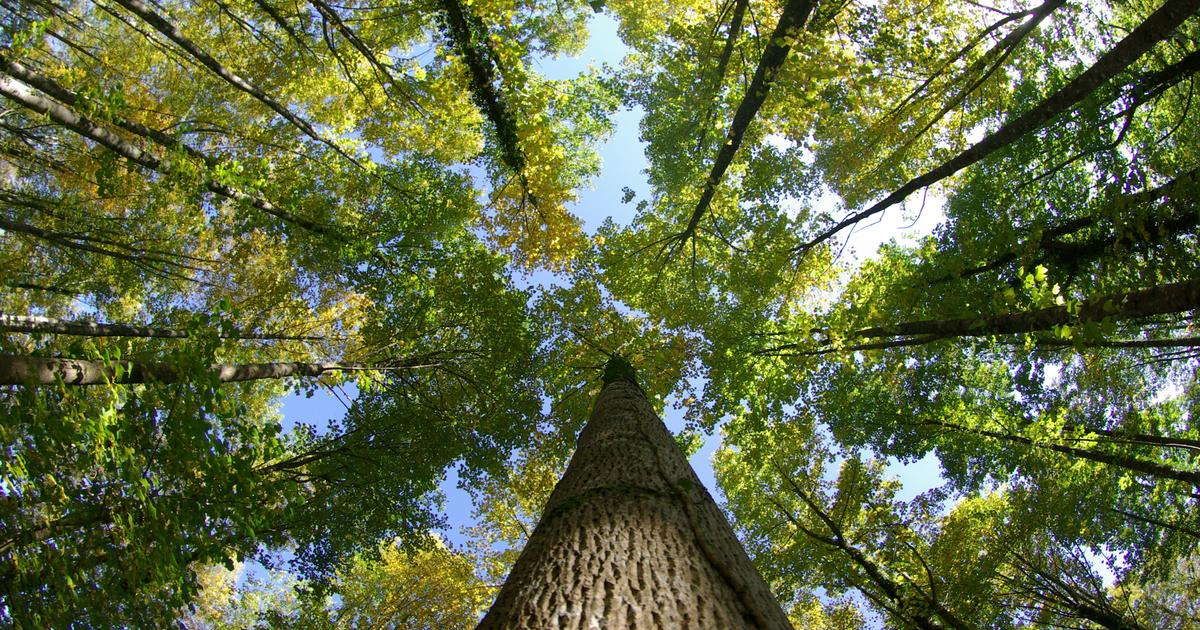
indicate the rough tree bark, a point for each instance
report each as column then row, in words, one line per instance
column 630, row 538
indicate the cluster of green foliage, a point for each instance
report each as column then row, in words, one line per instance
column 349, row 193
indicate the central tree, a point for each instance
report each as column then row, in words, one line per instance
column 630, row 537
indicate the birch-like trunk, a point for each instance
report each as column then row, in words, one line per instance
column 84, row 328
column 631, row 539
column 29, row 370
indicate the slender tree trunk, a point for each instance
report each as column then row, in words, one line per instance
column 87, row 244
column 164, row 26
column 1163, row 299
column 84, row 328
column 630, row 538
column 464, row 29
column 1157, row 27
column 735, row 31
column 1172, row 218
column 1153, row 469
column 1056, row 589
column 30, row 286
column 891, row 596
column 25, row 96
column 381, row 70
column 28, row 370
column 787, row 31
column 56, row 91
column 1158, row 300
column 1178, row 297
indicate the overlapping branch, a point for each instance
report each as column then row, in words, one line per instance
column 382, row 72
column 1051, row 248
column 891, row 595
column 170, row 31
column 735, row 31
column 993, row 59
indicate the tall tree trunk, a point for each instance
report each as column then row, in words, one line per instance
column 25, row 96
column 787, row 31
column 30, row 370
column 1163, row 299
column 1157, row 27
column 84, row 328
column 468, row 34
column 1150, row 468
column 630, row 538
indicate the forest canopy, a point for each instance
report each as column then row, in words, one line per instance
column 208, row 205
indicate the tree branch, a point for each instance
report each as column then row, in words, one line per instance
column 1157, row 27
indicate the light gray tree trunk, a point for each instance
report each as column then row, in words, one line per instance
column 29, row 370
column 631, row 539
column 55, row 326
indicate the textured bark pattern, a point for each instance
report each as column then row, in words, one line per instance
column 631, row 539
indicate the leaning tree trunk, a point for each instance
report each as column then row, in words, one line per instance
column 630, row 538
column 29, row 370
